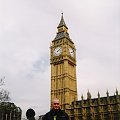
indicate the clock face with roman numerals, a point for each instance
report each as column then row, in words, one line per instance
column 57, row 51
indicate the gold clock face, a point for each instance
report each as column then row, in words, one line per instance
column 57, row 51
column 71, row 51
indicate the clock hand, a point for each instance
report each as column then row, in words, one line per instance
column 58, row 50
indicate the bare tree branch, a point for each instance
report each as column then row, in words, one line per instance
column 4, row 94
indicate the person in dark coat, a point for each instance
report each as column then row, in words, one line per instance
column 56, row 113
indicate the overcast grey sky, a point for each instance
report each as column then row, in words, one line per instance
column 27, row 28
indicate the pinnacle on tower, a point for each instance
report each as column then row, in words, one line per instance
column 82, row 97
column 98, row 94
column 116, row 91
column 62, row 30
column 62, row 22
column 88, row 95
column 107, row 93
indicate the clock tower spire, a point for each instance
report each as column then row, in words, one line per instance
column 63, row 67
column 62, row 23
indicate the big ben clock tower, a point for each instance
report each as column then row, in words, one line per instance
column 63, row 67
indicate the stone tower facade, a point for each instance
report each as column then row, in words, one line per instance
column 63, row 67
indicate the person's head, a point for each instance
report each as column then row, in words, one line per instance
column 30, row 113
column 55, row 104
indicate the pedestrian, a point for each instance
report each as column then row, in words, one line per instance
column 30, row 114
column 56, row 113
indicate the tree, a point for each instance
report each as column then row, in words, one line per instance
column 4, row 94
